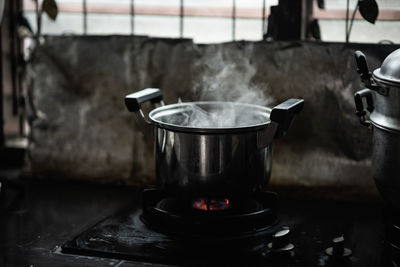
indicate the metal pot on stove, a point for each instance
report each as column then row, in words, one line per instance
column 201, row 150
column 382, row 97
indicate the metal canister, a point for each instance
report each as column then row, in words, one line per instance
column 382, row 97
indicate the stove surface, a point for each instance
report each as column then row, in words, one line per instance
column 51, row 214
column 126, row 237
column 163, row 233
column 309, row 234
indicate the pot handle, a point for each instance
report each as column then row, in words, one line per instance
column 360, row 110
column 134, row 101
column 366, row 75
column 283, row 115
column 362, row 66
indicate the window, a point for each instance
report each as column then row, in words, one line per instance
column 204, row 21
column 332, row 21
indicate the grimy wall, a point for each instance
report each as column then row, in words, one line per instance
column 83, row 130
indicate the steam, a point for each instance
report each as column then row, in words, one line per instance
column 231, row 83
column 220, row 115
column 223, row 80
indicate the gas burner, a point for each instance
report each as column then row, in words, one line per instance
column 210, row 204
column 209, row 217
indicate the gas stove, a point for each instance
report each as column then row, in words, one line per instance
column 181, row 230
column 178, row 230
column 127, row 227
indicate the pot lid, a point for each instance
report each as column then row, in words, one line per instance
column 211, row 116
column 389, row 72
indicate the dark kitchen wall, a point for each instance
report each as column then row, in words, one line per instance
column 83, row 130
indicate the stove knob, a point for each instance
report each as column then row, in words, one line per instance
column 338, row 250
column 280, row 241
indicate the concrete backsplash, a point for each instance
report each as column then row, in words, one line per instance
column 84, row 131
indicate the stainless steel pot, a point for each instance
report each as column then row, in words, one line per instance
column 383, row 103
column 212, row 160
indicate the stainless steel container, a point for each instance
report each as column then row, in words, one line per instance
column 383, row 103
column 208, row 159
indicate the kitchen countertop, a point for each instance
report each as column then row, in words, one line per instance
column 39, row 216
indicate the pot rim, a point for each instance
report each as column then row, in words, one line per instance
column 209, row 130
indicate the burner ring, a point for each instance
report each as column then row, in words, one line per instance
column 246, row 216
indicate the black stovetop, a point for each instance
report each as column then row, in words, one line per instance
column 53, row 214
column 128, row 235
column 175, row 235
